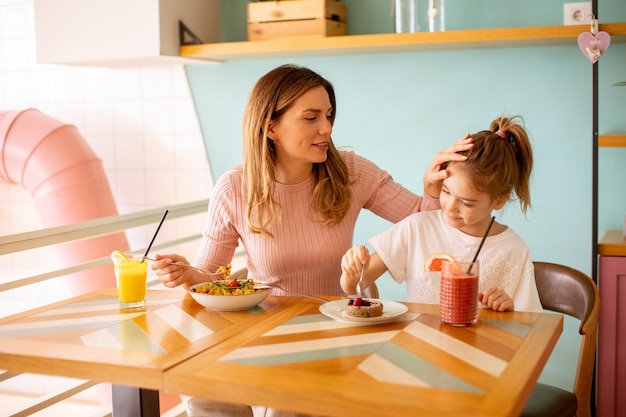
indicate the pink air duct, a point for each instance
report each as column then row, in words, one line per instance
column 64, row 176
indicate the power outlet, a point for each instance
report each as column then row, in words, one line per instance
column 577, row 13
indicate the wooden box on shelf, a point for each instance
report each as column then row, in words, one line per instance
column 279, row 19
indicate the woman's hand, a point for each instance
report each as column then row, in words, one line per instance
column 351, row 265
column 436, row 173
column 173, row 275
column 496, row 299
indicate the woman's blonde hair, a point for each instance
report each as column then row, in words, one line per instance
column 501, row 160
column 271, row 97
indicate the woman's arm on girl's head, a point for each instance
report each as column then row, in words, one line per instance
column 435, row 172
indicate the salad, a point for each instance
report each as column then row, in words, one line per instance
column 227, row 287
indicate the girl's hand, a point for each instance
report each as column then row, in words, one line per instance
column 172, row 275
column 351, row 265
column 436, row 172
column 496, row 299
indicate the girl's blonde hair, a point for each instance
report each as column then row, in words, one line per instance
column 271, row 97
column 501, row 160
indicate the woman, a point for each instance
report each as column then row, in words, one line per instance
column 294, row 202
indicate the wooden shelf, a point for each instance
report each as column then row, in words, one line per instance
column 613, row 243
column 612, row 140
column 393, row 42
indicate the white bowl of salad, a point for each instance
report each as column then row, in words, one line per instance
column 229, row 294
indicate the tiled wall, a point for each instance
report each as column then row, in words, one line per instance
column 140, row 121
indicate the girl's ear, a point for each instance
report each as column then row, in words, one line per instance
column 501, row 201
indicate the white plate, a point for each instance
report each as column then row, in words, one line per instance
column 335, row 310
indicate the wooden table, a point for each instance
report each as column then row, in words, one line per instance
column 301, row 360
column 285, row 354
column 91, row 337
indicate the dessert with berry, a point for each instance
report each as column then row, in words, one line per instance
column 359, row 307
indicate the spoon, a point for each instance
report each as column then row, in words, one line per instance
column 359, row 292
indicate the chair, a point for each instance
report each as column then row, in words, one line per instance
column 568, row 291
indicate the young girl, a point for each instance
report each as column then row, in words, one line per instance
column 497, row 166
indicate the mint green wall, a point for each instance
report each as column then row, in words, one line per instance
column 612, row 118
column 399, row 109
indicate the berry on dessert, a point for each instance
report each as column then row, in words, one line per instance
column 359, row 307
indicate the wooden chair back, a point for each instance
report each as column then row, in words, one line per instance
column 568, row 291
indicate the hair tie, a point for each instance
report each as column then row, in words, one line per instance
column 502, row 134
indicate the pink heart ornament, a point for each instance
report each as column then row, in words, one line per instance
column 593, row 46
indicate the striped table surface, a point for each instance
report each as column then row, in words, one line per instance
column 91, row 337
column 300, row 360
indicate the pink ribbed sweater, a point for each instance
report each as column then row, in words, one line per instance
column 304, row 255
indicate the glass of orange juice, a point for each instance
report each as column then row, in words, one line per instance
column 131, row 275
column 459, row 292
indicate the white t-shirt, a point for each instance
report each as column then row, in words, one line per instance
column 504, row 258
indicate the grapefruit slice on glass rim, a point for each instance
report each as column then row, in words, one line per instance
column 435, row 261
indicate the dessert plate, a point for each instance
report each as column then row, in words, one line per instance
column 335, row 310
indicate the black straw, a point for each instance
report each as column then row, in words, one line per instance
column 155, row 235
column 469, row 269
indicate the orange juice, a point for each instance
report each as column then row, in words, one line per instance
column 459, row 293
column 131, row 281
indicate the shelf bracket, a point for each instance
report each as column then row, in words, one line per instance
column 186, row 36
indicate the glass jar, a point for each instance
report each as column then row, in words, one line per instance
column 436, row 15
column 405, row 16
